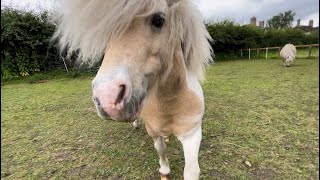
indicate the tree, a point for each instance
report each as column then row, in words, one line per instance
column 281, row 20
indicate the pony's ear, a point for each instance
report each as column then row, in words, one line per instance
column 172, row 2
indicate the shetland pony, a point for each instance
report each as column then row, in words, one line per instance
column 288, row 54
column 154, row 53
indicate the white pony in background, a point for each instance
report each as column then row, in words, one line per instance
column 154, row 53
column 288, row 53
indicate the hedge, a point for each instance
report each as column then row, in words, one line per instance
column 26, row 46
column 25, row 42
column 229, row 37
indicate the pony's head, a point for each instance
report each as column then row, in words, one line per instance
column 139, row 40
column 288, row 61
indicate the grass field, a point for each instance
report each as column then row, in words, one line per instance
column 256, row 111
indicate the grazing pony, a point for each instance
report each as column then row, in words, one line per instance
column 288, row 54
column 154, row 53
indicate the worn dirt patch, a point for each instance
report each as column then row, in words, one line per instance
column 218, row 175
column 89, row 109
column 263, row 174
column 38, row 82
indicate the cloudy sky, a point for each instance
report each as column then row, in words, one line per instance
column 214, row 10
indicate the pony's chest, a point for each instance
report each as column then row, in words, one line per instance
column 180, row 115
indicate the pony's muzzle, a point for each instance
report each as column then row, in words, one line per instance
column 100, row 110
column 111, row 99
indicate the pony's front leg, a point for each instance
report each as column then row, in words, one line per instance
column 160, row 146
column 191, row 144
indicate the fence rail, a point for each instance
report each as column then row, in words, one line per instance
column 257, row 50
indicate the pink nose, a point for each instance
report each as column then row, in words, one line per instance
column 111, row 98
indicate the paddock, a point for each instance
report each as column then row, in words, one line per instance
column 261, row 122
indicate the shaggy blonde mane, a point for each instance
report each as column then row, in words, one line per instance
column 87, row 26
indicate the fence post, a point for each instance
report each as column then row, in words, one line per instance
column 309, row 51
column 257, row 53
column 65, row 65
column 267, row 53
column 249, row 53
column 241, row 53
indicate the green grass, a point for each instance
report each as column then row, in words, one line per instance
column 256, row 111
column 41, row 77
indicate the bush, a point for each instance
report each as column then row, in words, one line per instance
column 229, row 37
column 25, row 39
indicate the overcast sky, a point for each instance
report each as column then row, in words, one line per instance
column 238, row 10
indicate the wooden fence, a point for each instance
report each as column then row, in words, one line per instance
column 258, row 50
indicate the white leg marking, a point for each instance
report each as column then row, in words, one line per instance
column 191, row 145
column 160, row 146
column 136, row 123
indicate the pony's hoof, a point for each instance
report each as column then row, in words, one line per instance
column 164, row 176
column 166, row 139
column 136, row 124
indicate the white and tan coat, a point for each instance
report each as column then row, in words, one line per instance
column 149, row 69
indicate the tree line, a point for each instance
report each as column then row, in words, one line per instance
column 26, row 46
column 229, row 37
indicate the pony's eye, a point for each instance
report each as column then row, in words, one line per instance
column 158, row 20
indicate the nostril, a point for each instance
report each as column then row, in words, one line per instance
column 96, row 100
column 120, row 96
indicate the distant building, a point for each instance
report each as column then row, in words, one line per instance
column 298, row 22
column 261, row 24
column 308, row 28
column 253, row 21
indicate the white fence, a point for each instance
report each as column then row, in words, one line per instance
column 266, row 51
